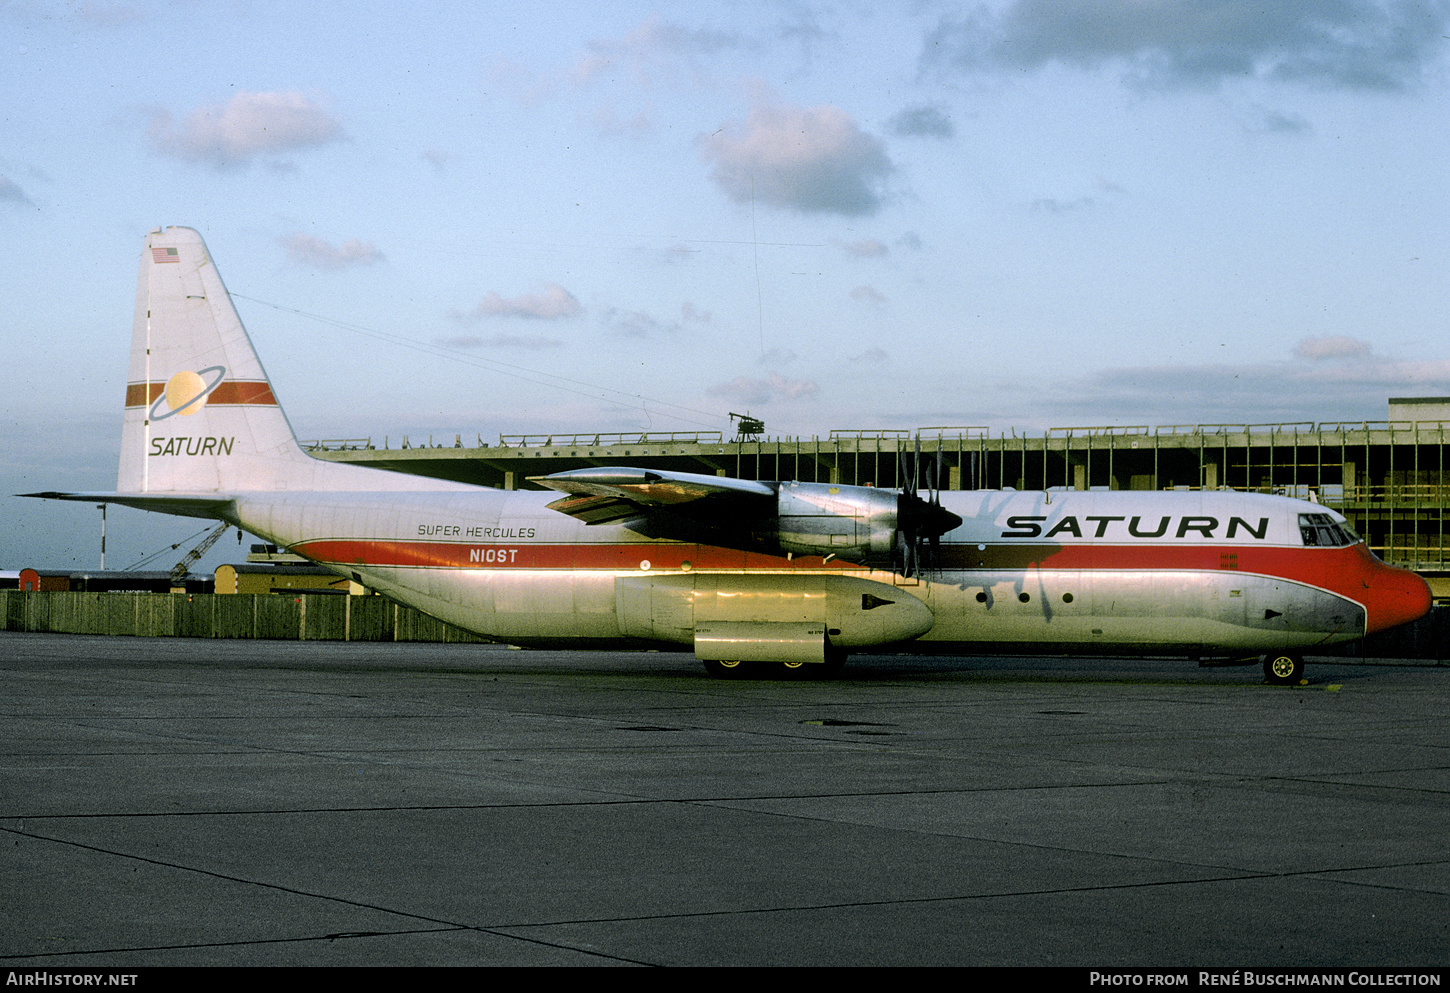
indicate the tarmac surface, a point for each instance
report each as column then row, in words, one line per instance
column 186, row 802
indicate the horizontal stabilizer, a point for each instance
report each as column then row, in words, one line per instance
column 212, row 506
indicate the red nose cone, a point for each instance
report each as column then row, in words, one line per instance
column 1393, row 597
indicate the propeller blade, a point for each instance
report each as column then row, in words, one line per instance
column 907, row 483
column 901, row 554
column 920, row 522
column 922, row 519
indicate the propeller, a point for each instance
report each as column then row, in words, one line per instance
column 920, row 521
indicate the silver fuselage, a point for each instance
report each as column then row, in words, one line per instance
column 1166, row 573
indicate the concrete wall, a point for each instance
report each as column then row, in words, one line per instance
column 304, row 616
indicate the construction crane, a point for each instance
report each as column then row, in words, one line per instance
column 179, row 571
column 750, row 427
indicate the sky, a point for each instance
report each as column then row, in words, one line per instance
column 481, row 219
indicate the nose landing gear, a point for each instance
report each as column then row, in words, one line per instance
column 1283, row 669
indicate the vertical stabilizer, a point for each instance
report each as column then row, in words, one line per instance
column 200, row 412
column 201, row 416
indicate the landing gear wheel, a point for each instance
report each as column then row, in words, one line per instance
column 798, row 670
column 1283, row 669
column 726, row 669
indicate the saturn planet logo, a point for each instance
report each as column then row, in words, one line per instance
column 186, row 392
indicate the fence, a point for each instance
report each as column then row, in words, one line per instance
column 309, row 617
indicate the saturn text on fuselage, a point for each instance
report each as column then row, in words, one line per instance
column 1104, row 526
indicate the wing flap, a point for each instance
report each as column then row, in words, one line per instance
column 596, row 509
column 649, row 488
column 611, row 494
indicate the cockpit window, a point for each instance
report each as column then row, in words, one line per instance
column 1324, row 531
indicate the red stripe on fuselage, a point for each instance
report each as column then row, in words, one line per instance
column 602, row 557
column 1308, row 565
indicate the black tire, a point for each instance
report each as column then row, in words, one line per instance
column 726, row 670
column 1283, row 668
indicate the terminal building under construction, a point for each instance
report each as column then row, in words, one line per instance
column 1387, row 477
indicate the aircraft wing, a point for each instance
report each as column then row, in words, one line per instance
column 610, row 494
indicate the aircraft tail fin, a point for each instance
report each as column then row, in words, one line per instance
column 200, row 414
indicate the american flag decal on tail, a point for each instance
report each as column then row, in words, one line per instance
column 165, row 255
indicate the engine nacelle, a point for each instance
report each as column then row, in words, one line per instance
column 849, row 522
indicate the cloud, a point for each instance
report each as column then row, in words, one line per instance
column 435, row 157
column 1337, row 346
column 872, row 356
column 535, row 343
column 250, row 124
column 922, row 122
column 1277, row 122
column 1351, row 44
column 804, row 27
column 555, row 303
column 812, row 159
column 868, row 294
column 649, row 48
column 866, row 248
column 319, row 254
column 778, row 356
column 1387, row 374
column 1054, row 205
column 1262, row 393
column 652, row 52
column 11, row 193
column 759, row 391
column 639, row 324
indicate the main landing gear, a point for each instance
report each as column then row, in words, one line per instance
column 1283, row 669
column 728, row 670
column 835, row 661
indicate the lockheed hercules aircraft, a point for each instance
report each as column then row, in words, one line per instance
column 753, row 576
